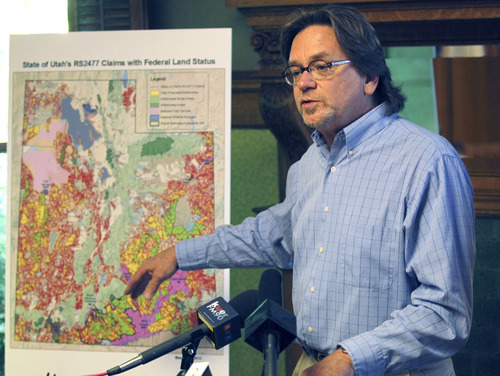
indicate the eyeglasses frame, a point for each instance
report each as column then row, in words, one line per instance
column 308, row 69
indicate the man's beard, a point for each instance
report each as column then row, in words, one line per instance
column 322, row 121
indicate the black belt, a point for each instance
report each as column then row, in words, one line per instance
column 313, row 353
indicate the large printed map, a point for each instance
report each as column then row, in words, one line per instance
column 97, row 197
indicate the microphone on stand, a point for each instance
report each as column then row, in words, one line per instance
column 270, row 286
column 270, row 328
column 219, row 321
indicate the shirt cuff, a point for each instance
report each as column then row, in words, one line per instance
column 366, row 355
column 190, row 254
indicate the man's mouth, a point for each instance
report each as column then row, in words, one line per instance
column 306, row 103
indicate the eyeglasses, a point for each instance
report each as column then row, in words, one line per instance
column 318, row 69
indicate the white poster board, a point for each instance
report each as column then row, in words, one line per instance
column 118, row 146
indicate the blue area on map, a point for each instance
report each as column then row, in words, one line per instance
column 82, row 133
column 125, row 79
column 137, row 216
column 192, row 222
column 89, row 109
column 104, row 174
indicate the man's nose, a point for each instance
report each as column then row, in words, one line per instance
column 306, row 81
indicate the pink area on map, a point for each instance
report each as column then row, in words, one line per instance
column 140, row 331
column 44, row 168
column 55, row 127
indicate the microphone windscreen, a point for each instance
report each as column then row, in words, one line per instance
column 245, row 303
column 270, row 286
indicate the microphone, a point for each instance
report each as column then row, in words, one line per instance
column 219, row 321
column 270, row 328
column 270, row 286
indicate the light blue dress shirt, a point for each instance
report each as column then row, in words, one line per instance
column 379, row 231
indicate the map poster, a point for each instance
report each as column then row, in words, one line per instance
column 118, row 148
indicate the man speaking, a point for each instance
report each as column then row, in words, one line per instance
column 377, row 223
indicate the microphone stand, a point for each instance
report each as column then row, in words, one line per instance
column 188, row 354
column 271, row 353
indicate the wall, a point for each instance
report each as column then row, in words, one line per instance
column 174, row 14
column 254, row 184
column 481, row 355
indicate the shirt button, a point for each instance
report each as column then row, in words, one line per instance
column 321, row 249
column 333, row 169
column 326, row 209
column 310, row 330
column 312, row 289
column 351, row 152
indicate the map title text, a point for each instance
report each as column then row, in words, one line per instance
column 92, row 63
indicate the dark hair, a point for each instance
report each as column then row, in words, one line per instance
column 358, row 41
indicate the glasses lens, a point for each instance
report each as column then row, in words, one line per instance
column 319, row 69
column 292, row 75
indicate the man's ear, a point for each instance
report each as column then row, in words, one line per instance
column 371, row 84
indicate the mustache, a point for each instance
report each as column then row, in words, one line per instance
column 307, row 98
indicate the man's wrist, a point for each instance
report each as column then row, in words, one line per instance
column 341, row 350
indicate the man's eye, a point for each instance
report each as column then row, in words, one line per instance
column 321, row 67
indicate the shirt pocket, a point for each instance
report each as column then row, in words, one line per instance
column 369, row 255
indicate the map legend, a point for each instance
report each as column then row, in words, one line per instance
column 178, row 100
column 154, row 108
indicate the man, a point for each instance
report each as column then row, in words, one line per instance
column 377, row 224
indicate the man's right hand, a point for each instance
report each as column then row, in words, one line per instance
column 152, row 273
